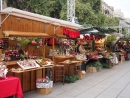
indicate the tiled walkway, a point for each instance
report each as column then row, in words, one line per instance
column 108, row 83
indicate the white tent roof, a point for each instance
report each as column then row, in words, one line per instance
column 37, row 17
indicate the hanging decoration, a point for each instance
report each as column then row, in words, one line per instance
column 40, row 42
column 70, row 33
column 34, row 42
column 49, row 41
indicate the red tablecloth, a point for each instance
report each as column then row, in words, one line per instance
column 10, row 86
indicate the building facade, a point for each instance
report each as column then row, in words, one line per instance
column 107, row 10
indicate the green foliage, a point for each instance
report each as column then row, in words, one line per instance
column 96, row 64
column 110, row 38
column 106, row 66
column 24, row 41
column 124, row 33
column 71, row 78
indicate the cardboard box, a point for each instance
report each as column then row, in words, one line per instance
column 91, row 69
column 80, row 73
column 44, row 91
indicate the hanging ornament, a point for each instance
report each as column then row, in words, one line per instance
column 40, row 42
column 33, row 42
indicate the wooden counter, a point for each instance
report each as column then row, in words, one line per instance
column 69, row 64
column 58, row 59
column 28, row 77
column 62, row 58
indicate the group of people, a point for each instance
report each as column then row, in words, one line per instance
column 121, row 47
column 124, row 48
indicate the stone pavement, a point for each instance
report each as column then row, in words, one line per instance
column 108, row 83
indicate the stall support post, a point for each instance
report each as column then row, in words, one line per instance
column 93, row 44
column 44, row 48
column 0, row 49
column 53, row 47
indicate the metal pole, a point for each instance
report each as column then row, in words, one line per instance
column 120, row 26
column 1, row 4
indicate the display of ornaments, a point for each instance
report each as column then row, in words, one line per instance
column 45, row 62
column 28, row 64
column 3, row 70
column 43, row 80
column 81, row 57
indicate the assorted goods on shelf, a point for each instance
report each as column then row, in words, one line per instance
column 66, row 47
column 108, row 60
column 15, row 55
column 112, row 57
column 32, row 63
column 81, row 57
column 27, row 64
column 45, row 62
column 44, row 85
column 3, row 70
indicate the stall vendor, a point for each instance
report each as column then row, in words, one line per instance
column 116, row 48
column 80, row 48
column 20, row 51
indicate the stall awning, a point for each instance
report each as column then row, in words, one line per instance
column 37, row 17
column 24, row 34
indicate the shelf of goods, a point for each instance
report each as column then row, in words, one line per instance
column 101, row 45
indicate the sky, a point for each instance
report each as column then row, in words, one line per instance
column 124, row 5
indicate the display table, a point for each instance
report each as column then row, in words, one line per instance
column 34, row 75
column 10, row 86
column 28, row 77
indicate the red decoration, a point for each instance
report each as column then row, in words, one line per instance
column 70, row 33
column 81, row 40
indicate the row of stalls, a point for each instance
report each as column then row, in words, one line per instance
column 27, row 37
column 32, row 44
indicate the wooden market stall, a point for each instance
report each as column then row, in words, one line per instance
column 19, row 23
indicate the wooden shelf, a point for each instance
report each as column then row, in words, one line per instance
column 22, row 71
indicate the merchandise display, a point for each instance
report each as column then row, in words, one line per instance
column 44, row 83
column 45, row 62
column 3, row 70
column 81, row 57
column 28, row 64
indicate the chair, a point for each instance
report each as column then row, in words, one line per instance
column 59, row 73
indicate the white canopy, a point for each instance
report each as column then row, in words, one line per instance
column 37, row 17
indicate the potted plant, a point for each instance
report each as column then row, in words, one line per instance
column 94, row 67
column 109, row 42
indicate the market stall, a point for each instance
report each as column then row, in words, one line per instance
column 21, row 26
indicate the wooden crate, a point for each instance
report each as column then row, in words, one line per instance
column 44, row 91
column 80, row 74
column 91, row 69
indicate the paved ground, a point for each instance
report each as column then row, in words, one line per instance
column 108, row 83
